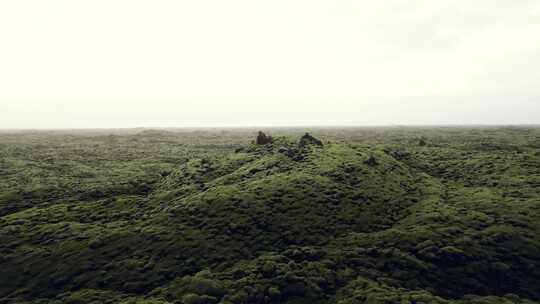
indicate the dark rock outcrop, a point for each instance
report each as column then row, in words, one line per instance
column 307, row 139
column 263, row 139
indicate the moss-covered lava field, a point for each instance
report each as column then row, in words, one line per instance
column 373, row 215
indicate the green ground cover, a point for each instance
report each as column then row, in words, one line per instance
column 375, row 215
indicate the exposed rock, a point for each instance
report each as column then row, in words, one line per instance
column 307, row 139
column 371, row 161
column 263, row 139
column 292, row 153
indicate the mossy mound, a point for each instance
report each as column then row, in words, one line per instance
column 272, row 200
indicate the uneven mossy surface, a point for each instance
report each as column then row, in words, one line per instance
column 375, row 215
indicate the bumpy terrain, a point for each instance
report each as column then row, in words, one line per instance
column 374, row 215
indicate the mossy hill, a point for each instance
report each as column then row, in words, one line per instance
column 441, row 215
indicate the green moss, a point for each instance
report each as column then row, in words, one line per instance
column 372, row 216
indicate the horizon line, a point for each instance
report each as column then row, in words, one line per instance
column 276, row 126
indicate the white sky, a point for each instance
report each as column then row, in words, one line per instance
column 174, row 63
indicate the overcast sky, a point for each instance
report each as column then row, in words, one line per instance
column 171, row 63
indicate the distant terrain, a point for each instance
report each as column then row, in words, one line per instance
column 368, row 215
